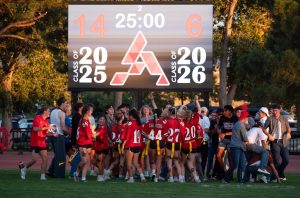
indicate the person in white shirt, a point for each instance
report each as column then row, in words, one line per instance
column 279, row 135
column 205, row 124
column 263, row 115
column 57, row 118
column 257, row 144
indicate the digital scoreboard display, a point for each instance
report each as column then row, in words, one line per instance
column 140, row 47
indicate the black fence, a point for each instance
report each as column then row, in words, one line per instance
column 21, row 141
column 294, row 146
column 20, row 138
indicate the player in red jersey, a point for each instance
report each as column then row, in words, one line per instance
column 172, row 128
column 153, row 129
column 116, row 133
column 101, row 148
column 132, row 144
column 190, row 138
column 40, row 129
column 196, row 117
column 84, row 142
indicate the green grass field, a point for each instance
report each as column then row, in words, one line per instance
column 12, row 186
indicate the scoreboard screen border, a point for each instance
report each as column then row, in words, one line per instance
column 108, row 2
column 120, row 2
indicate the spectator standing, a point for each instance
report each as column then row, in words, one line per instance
column 75, row 120
column 57, row 118
column 205, row 124
column 225, row 125
column 279, row 134
column 238, row 147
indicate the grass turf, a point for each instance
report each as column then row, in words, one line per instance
column 12, row 186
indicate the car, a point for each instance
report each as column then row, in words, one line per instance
column 254, row 110
column 19, row 123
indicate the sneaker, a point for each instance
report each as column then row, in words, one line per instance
column 182, row 180
column 143, row 179
column 43, row 178
column 274, row 181
column 100, row 178
column 146, row 173
column 171, row 180
column 283, row 179
column 107, row 174
column 131, row 180
column 224, row 181
column 264, row 179
column 197, row 179
column 251, row 180
column 155, row 180
column 161, row 178
column 76, row 177
column 22, row 170
column 263, row 171
column 127, row 176
column 84, row 181
column 176, row 179
column 23, row 173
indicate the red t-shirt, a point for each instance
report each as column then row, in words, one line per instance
column 102, row 139
column 37, row 138
column 191, row 134
column 132, row 134
column 84, row 133
column 196, row 117
column 173, row 127
column 155, row 133
column 116, row 133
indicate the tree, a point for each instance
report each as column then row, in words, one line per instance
column 20, row 33
column 230, row 8
column 37, row 80
column 239, row 26
column 284, row 43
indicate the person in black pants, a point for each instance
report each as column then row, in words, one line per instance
column 75, row 120
column 57, row 119
column 279, row 135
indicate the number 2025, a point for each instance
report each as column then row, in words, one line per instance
column 86, row 62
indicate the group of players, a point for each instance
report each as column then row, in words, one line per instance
column 171, row 135
column 178, row 143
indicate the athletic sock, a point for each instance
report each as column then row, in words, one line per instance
column 153, row 172
column 142, row 176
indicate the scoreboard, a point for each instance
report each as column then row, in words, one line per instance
column 140, row 47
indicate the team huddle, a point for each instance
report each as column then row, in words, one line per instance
column 177, row 144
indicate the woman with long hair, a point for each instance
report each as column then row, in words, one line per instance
column 146, row 115
column 190, row 138
column 132, row 144
column 84, row 142
column 153, row 129
column 101, row 148
column 116, row 134
column 172, row 129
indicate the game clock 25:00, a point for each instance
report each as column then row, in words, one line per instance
column 156, row 47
